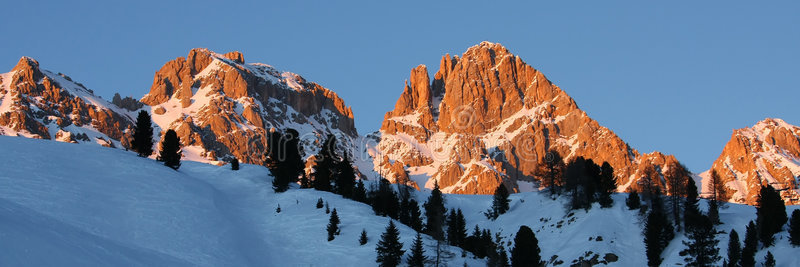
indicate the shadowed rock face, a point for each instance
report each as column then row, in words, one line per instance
column 767, row 153
column 41, row 104
column 225, row 108
column 487, row 117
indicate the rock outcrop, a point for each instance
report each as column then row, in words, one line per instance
column 221, row 107
column 767, row 153
column 38, row 103
column 487, row 118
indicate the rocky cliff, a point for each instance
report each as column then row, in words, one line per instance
column 767, row 153
column 37, row 103
column 487, row 117
column 222, row 107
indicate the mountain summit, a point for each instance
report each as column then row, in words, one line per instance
column 766, row 154
column 487, row 118
column 221, row 107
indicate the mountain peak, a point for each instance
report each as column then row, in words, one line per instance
column 26, row 63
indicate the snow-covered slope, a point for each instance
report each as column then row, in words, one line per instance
column 74, row 205
column 107, row 207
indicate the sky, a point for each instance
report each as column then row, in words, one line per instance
column 674, row 76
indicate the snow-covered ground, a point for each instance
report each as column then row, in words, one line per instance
column 64, row 204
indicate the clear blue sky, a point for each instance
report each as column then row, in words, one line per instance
column 671, row 76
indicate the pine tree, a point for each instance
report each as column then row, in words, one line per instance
column 607, row 186
column 390, row 250
column 502, row 257
column 456, row 228
column 327, row 209
column 657, row 235
column 702, row 248
column 633, row 200
column 284, row 159
column 363, row 239
column 333, row 225
column 417, row 257
column 717, row 189
column 320, row 204
column 750, row 246
column 278, row 209
column 326, row 162
column 500, row 201
column 676, row 175
column 142, row 141
column 235, row 164
column 771, row 214
column 734, row 249
column 794, row 228
column 552, row 171
column 385, row 201
column 769, row 260
column 435, row 213
column 170, row 152
column 416, row 215
column 345, row 177
column 691, row 212
column 526, row 250
column 360, row 192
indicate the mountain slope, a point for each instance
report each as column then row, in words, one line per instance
column 487, row 117
column 38, row 103
column 767, row 153
column 109, row 207
column 222, row 107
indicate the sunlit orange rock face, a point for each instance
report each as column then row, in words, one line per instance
column 222, row 107
column 40, row 104
column 487, row 118
column 766, row 154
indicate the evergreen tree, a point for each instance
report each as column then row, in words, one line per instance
column 390, row 250
column 734, row 249
column 278, row 209
column 502, row 257
column 435, row 213
column 552, row 171
column 320, row 204
column 794, row 228
column 771, row 214
column 235, row 164
column 500, row 201
column 657, row 235
column 417, row 257
column 526, row 250
column 456, row 228
column 326, row 164
column 633, row 200
column 607, row 186
column 360, row 192
column 142, row 141
column 363, row 239
column 284, row 159
column 676, row 176
column 691, row 212
column 702, row 248
column 415, row 215
column 717, row 191
column 385, row 201
column 333, row 225
column 327, row 209
column 769, row 260
column 750, row 246
column 170, row 152
column 345, row 178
